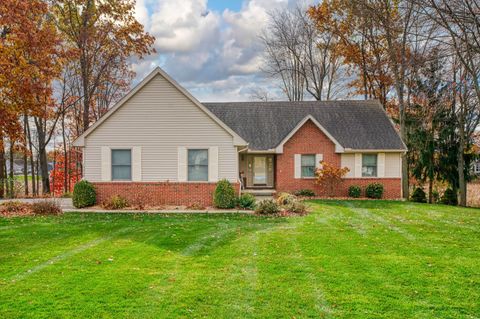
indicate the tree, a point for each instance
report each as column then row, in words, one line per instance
column 428, row 116
column 460, row 23
column 30, row 58
column 105, row 34
column 303, row 58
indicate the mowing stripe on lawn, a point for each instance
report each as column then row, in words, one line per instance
column 66, row 255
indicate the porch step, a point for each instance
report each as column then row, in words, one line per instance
column 261, row 194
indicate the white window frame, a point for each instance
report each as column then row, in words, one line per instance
column 208, row 163
column 131, row 163
column 376, row 165
column 302, row 166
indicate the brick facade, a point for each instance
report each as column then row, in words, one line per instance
column 159, row 193
column 309, row 139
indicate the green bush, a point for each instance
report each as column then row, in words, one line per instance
column 449, row 197
column 247, row 201
column 354, row 191
column 305, row 193
column 285, row 198
column 84, row 194
column 267, row 207
column 224, row 196
column 296, row 207
column 115, row 202
column 48, row 207
column 419, row 195
column 374, row 190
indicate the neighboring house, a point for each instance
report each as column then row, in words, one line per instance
column 159, row 145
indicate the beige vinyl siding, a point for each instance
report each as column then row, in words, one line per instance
column 348, row 160
column 392, row 165
column 159, row 119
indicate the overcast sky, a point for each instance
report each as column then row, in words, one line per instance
column 210, row 47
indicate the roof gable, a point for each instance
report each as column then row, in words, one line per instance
column 338, row 147
column 80, row 141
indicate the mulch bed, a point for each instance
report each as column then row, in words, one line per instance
column 15, row 209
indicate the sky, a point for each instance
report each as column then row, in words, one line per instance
column 211, row 47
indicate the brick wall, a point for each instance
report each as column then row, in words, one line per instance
column 309, row 139
column 159, row 193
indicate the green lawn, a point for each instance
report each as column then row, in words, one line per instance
column 348, row 259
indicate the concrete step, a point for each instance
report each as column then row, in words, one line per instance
column 261, row 193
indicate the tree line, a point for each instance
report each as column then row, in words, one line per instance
column 419, row 58
column 63, row 63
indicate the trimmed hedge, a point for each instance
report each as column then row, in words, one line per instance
column 84, row 194
column 224, row 196
column 354, row 191
column 374, row 190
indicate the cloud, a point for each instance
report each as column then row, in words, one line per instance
column 216, row 55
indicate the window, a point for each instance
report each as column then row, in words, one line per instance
column 308, row 165
column 121, row 165
column 198, row 165
column 369, row 165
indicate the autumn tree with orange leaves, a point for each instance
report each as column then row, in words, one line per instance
column 29, row 62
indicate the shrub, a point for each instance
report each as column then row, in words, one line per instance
column 419, row 195
column 84, row 194
column 66, row 195
column 115, row 202
column 267, row 207
column 330, row 177
column 47, row 207
column 449, row 197
column 224, row 196
column 374, row 190
column 247, row 201
column 305, row 193
column 296, row 207
column 354, row 191
column 285, row 198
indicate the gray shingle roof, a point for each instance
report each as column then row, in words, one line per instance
column 354, row 124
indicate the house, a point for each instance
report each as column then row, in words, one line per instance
column 159, row 145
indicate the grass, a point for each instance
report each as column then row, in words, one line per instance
column 348, row 259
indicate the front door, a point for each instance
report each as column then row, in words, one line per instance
column 260, row 171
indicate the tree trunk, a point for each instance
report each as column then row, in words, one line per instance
column 32, row 162
column 44, row 171
column 25, row 157
column 430, row 190
column 462, row 185
column 66, row 167
column 2, row 168
column 11, row 191
column 37, row 169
